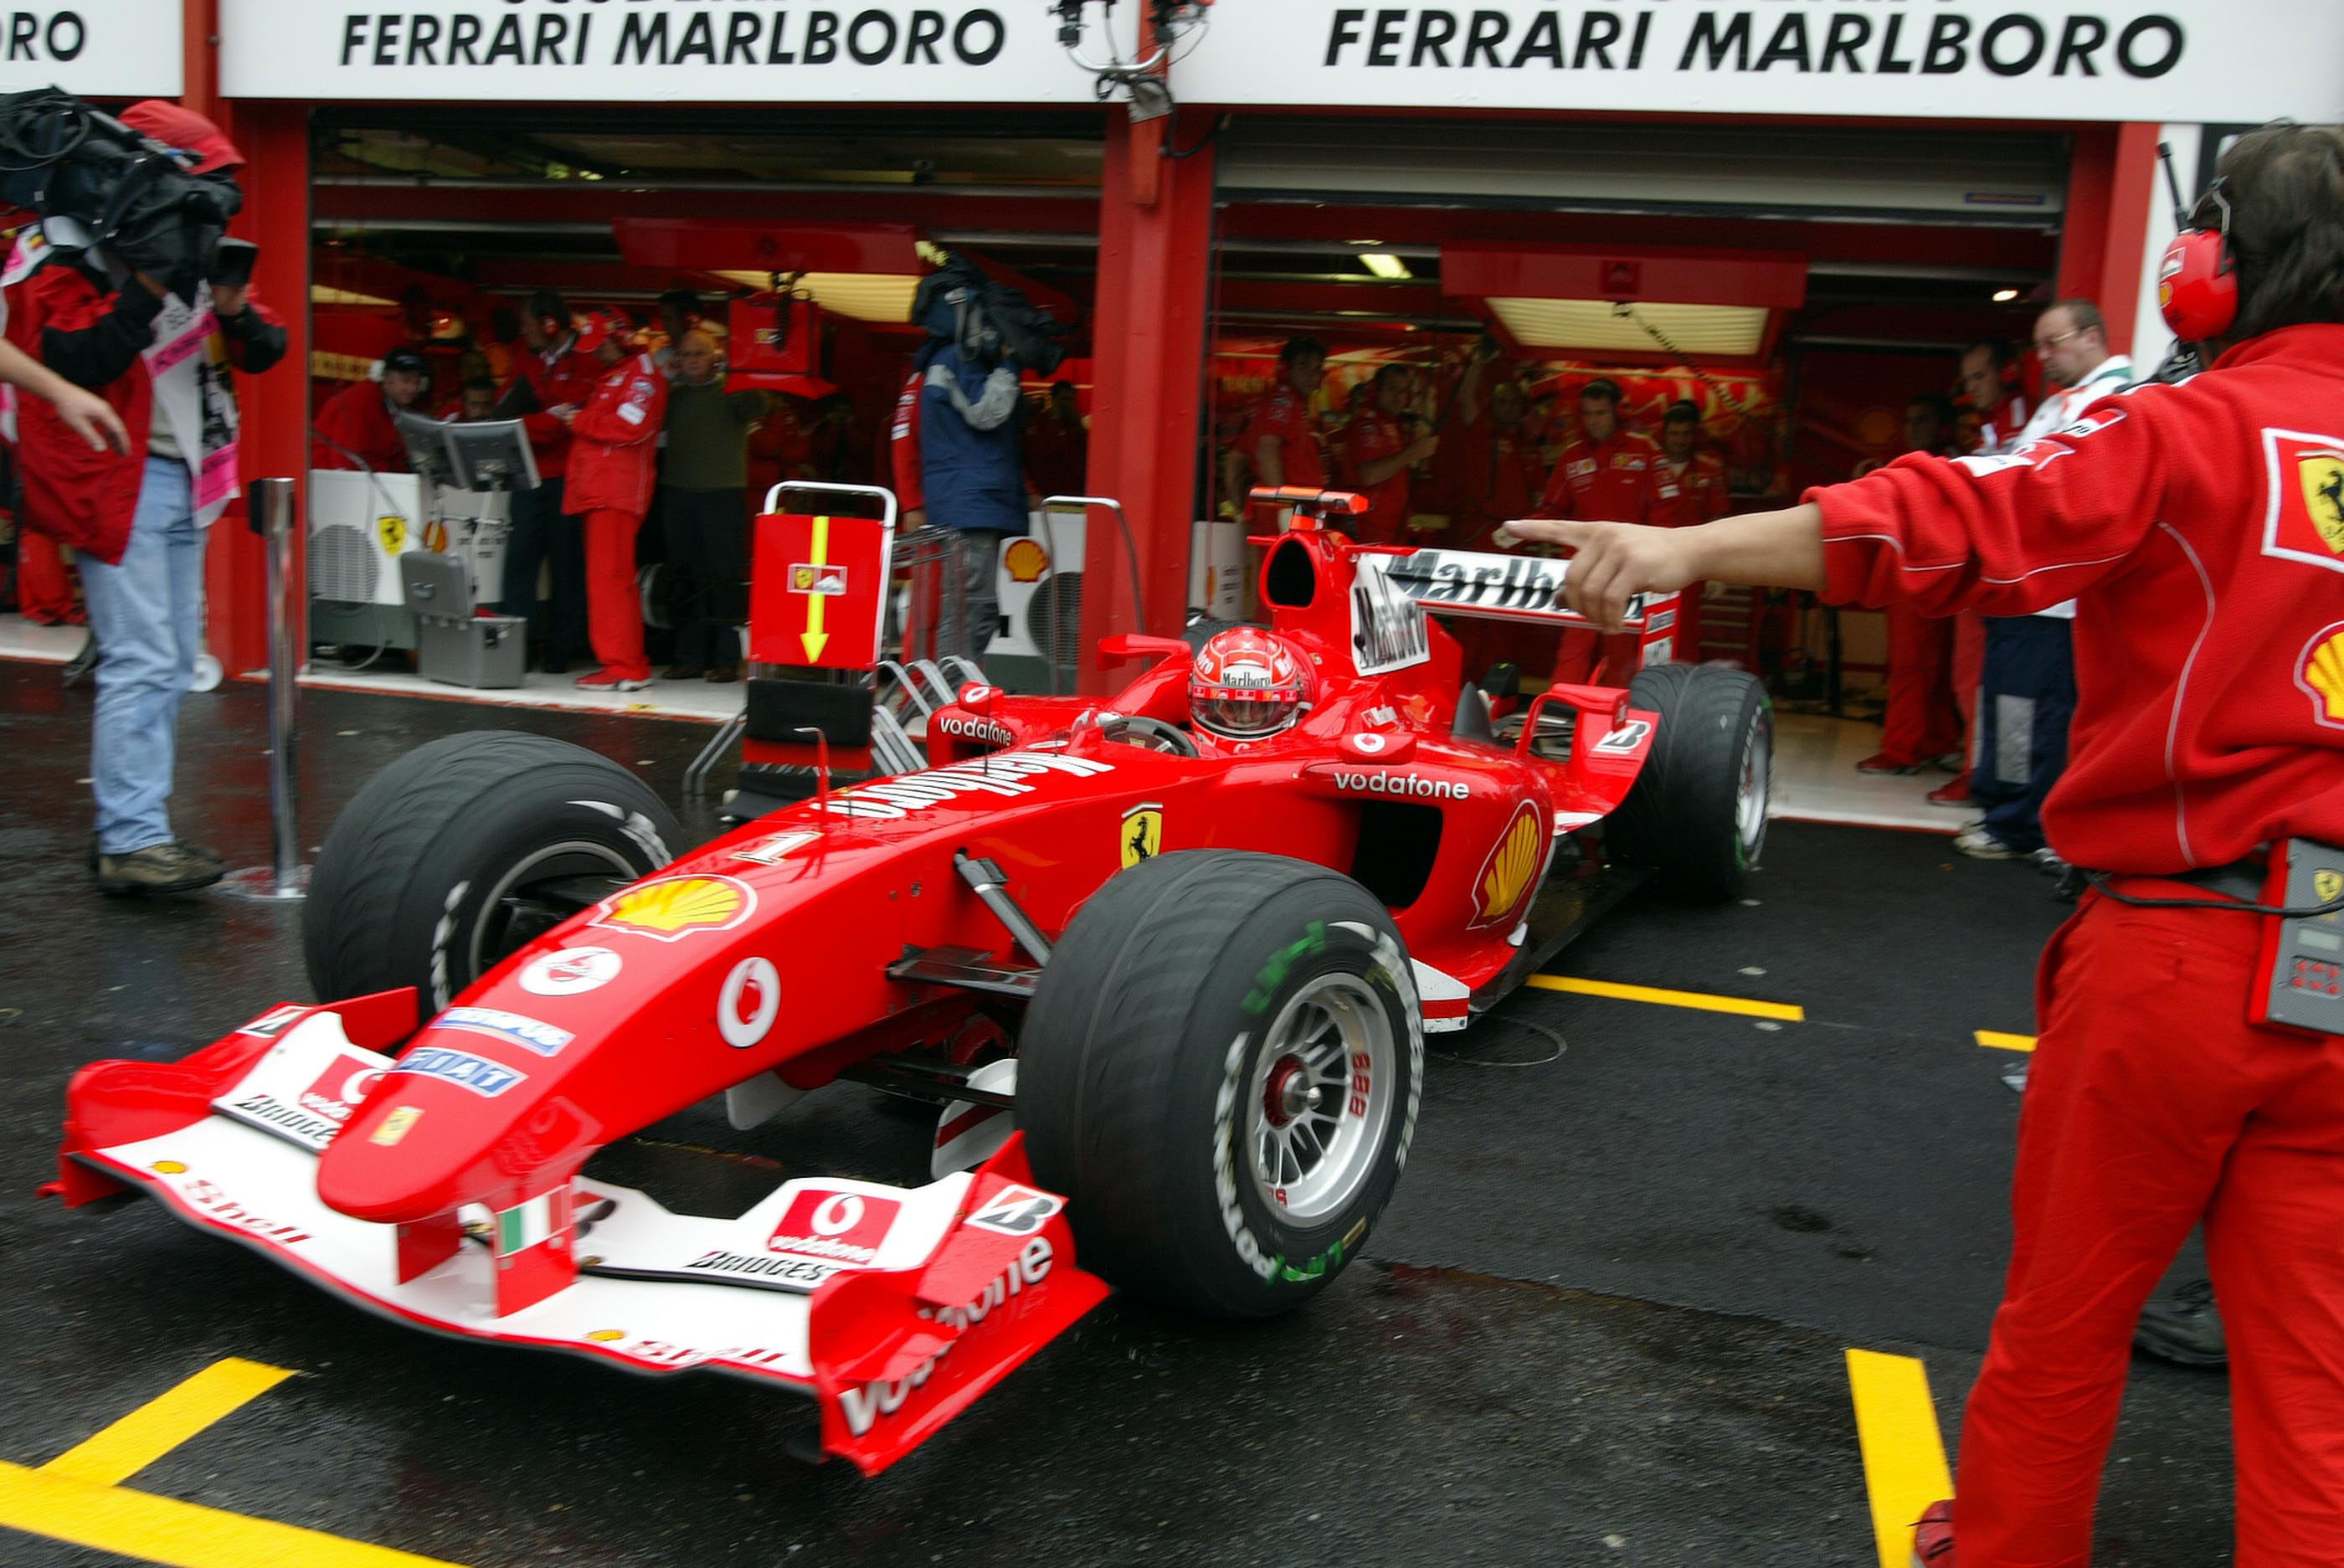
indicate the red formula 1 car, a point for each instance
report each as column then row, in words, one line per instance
column 1170, row 987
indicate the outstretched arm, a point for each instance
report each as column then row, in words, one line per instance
column 1770, row 549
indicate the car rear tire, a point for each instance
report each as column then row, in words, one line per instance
column 1221, row 1070
column 448, row 860
column 1697, row 813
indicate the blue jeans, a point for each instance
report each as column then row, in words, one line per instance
column 147, row 615
column 2026, row 699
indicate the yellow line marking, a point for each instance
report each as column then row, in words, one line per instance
column 1994, row 1041
column 179, row 1534
column 1903, row 1458
column 1788, row 1011
column 129, row 1446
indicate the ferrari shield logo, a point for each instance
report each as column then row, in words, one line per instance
column 2322, row 474
column 1143, row 834
column 392, row 531
column 2326, row 885
column 2303, row 519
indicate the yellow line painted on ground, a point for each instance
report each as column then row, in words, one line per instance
column 1993, row 1041
column 159, row 1426
column 180, row 1534
column 1789, row 1012
column 1903, row 1457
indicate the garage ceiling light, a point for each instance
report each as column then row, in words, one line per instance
column 1694, row 330
column 1384, row 265
column 865, row 296
column 325, row 294
column 2005, row 296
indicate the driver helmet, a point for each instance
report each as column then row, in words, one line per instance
column 1247, row 684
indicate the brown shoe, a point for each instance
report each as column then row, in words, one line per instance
column 683, row 672
column 157, row 868
column 719, row 674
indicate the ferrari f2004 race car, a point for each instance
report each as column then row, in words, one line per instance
column 1169, row 985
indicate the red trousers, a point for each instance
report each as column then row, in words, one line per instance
column 43, row 584
column 2151, row 1104
column 1921, row 722
column 615, row 603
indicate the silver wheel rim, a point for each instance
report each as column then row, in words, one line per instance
column 505, row 899
column 1749, row 796
column 1320, row 1097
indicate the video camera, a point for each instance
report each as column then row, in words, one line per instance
column 64, row 160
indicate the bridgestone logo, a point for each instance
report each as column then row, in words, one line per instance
column 1412, row 784
column 277, row 1113
column 791, row 1273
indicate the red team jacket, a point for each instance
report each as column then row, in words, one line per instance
column 358, row 418
column 614, row 440
column 557, row 378
column 2201, row 527
column 1607, row 483
column 1285, row 413
column 1699, row 494
column 1374, row 435
column 74, row 495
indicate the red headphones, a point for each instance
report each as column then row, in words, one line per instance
column 2197, row 282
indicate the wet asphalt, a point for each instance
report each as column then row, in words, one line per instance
column 1603, row 1321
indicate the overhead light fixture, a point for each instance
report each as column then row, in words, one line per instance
column 865, row 296
column 327, row 294
column 1384, row 265
column 2005, row 296
column 1598, row 324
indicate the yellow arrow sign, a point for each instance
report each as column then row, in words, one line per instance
column 814, row 638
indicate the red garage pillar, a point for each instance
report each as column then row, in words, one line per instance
column 1147, row 337
column 275, row 138
column 2109, row 190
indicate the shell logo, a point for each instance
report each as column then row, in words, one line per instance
column 1513, row 866
column 2320, row 671
column 670, row 908
column 1025, row 561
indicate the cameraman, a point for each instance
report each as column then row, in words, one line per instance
column 2201, row 529
column 135, row 518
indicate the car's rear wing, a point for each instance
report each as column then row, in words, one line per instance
column 1524, row 589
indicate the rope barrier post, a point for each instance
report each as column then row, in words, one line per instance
column 284, row 878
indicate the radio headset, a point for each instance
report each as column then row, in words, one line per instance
column 2197, row 281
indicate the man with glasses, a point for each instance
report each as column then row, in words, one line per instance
column 2027, row 692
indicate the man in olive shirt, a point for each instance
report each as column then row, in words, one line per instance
column 702, row 499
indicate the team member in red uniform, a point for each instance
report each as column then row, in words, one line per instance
column 1920, row 726
column 1495, row 468
column 1689, row 489
column 544, row 528
column 2200, row 528
column 1280, row 441
column 613, row 447
column 356, row 424
column 1607, row 472
column 1382, row 447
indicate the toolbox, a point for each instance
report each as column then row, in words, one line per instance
column 455, row 645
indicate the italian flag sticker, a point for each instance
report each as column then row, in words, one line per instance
column 525, row 1225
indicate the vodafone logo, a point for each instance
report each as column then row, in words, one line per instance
column 749, row 1002
column 1369, row 743
column 843, row 1227
column 571, row 971
column 339, row 1088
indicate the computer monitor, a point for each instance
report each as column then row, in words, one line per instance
column 427, row 449
column 490, row 455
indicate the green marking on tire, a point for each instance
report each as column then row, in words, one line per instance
column 1281, row 964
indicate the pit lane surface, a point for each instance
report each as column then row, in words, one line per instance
column 1606, row 1320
